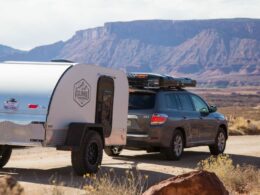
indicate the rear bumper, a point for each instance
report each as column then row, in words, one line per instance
column 156, row 137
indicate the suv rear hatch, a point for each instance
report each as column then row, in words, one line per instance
column 140, row 109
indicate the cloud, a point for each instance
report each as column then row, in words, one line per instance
column 28, row 23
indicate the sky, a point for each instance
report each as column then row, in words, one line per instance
column 25, row 24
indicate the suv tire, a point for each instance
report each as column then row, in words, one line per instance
column 89, row 156
column 220, row 142
column 5, row 154
column 174, row 152
column 113, row 150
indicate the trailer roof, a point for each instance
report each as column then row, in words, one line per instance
column 40, row 63
column 30, row 77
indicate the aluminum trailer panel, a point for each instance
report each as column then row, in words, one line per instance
column 23, row 87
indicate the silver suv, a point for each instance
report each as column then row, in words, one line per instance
column 167, row 120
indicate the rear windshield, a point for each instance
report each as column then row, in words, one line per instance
column 140, row 101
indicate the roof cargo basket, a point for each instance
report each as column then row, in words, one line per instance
column 158, row 81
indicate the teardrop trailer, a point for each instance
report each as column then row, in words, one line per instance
column 75, row 107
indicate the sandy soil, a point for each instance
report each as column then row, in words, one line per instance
column 37, row 169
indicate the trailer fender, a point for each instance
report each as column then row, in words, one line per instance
column 76, row 134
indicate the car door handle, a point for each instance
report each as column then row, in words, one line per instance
column 184, row 117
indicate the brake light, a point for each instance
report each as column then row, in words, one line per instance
column 32, row 106
column 158, row 119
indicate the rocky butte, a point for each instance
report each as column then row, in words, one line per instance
column 219, row 52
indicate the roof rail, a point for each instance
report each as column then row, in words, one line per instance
column 157, row 81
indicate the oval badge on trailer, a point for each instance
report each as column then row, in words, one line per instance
column 11, row 104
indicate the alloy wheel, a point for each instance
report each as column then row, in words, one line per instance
column 178, row 145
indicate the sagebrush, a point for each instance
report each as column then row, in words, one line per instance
column 237, row 179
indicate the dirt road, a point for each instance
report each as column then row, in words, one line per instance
column 37, row 168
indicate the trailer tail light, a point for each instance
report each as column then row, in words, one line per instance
column 33, row 106
column 158, row 119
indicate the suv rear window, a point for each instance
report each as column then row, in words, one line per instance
column 140, row 101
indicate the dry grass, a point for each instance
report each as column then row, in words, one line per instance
column 237, row 179
column 242, row 126
column 242, row 120
column 110, row 184
column 250, row 113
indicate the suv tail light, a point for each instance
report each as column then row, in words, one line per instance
column 158, row 119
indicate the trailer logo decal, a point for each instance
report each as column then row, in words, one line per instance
column 81, row 92
column 11, row 104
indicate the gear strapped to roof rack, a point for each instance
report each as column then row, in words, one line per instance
column 157, row 81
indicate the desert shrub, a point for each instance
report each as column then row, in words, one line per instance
column 243, row 179
column 242, row 126
column 110, row 184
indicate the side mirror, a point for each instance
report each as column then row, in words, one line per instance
column 213, row 108
column 204, row 111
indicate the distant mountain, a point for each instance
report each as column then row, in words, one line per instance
column 217, row 52
column 42, row 53
column 6, row 51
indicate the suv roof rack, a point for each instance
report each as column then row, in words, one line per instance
column 157, row 81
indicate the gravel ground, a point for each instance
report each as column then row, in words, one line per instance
column 37, row 168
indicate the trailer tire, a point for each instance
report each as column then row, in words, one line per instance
column 5, row 154
column 89, row 156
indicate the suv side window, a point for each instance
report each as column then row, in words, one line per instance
column 171, row 101
column 186, row 102
column 199, row 103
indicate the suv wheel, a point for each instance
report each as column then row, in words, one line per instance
column 113, row 150
column 220, row 143
column 175, row 150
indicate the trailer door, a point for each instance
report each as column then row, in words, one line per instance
column 104, row 107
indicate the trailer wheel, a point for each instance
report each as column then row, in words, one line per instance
column 89, row 156
column 5, row 154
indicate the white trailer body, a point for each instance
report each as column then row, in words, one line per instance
column 52, row 104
